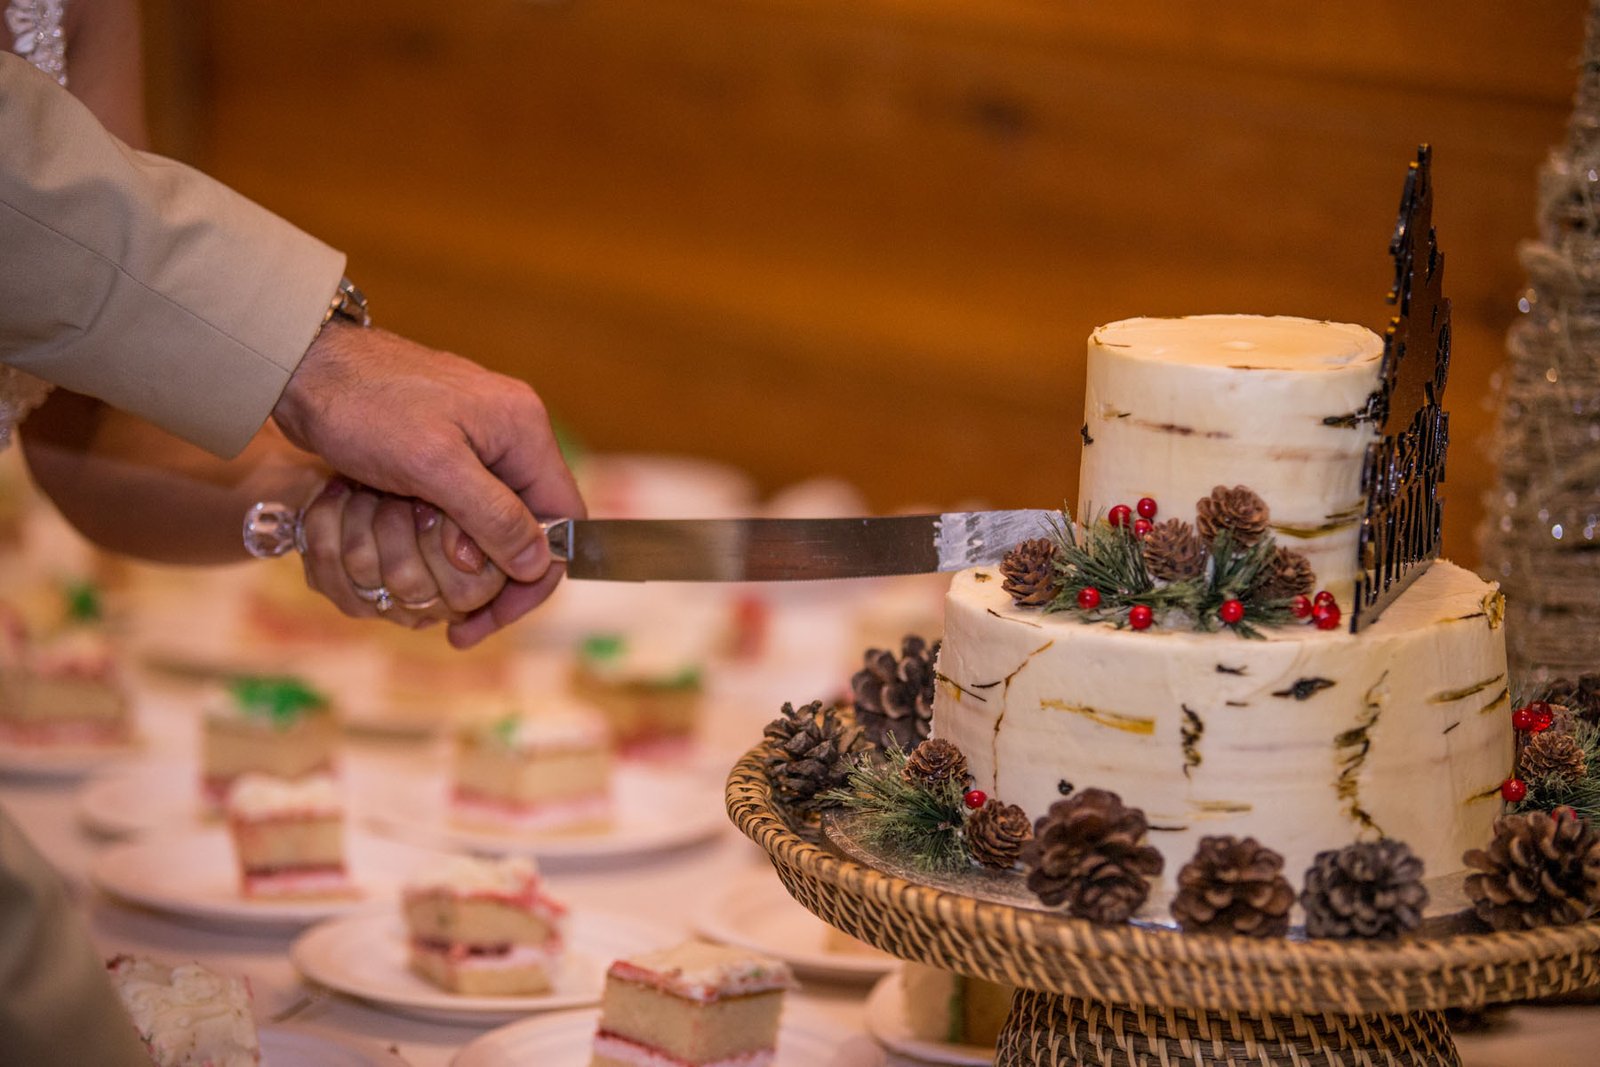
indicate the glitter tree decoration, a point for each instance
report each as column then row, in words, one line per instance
column 1541, row 539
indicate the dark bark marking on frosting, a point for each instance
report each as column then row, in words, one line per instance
column 1191, row 730
column 1019, row 622
column 1502, row 699
column 1353, row 745
column 1305, row 688
column 958, row 687
column 1084, row 433
column 1452, row 726
column 1185, row 431
column 1223, row 668
column 1450, row 696
column 1237, row 703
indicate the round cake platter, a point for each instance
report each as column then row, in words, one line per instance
column 1123, row 995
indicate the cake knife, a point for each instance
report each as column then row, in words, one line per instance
column 745, row 550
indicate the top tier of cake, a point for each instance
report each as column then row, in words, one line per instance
column 1175, row 407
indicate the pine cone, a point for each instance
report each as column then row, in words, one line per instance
column 1088, row 852
column 1541, row 869
column 1238, row 509
column 894, row 697
column 1582, row 696
column 1173, row 551
column 807, row 755
column 1555, row 753
column 1289, row 576
column 935, row 760
column 1368, row 889
column 996, row 833
column 1234, row 887
column 1030, row 573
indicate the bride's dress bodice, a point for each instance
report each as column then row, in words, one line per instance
column 33, row 31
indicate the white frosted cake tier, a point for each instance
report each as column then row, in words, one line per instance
column 1307, row 740
column 1175, row 407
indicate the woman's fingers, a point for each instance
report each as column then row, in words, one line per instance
column 322, row 528
column 465, row 588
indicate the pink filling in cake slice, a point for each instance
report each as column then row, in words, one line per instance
column 484, row 927
column 694, row 1005
column 289, row 837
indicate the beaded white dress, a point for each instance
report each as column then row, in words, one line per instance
column 33, row 31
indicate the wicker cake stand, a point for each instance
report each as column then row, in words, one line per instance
column 1131, row 995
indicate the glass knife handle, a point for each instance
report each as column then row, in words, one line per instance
column 272, row 529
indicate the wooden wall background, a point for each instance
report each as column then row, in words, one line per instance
column 869, row 237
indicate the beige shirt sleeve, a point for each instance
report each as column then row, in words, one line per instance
column 142, row 282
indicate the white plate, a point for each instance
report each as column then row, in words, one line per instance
column 754, row 911
column 653, row 809
column 886, row 1021
column 365, row 956
column 567, row 1038
column 194, row 877
column 142, row 798
column 64, row 760
column 296, row 1048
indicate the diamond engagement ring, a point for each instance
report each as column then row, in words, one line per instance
column 378, row 596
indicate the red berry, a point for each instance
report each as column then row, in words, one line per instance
column 1513, row 789
column 1326, row 616
column 1523, row 719
column 1301, row 606
column 1323, row 597
column 1120, row 515
column 1541, row 714
column 1563, row 812
column 1231, row 611
column 1140, row 617
column 1147, row 507
column 974, row 798
column 1142, row 527
column 1088, row 598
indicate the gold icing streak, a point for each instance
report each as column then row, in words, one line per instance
column 1494, row 607
column 982, row 576
column 1351, row 748
column 1116, row 721
column 1500, row 701
column 958, row 690
column 1450, row 696
column 1307, row 533
column 1493, row 792
column 1204, row 808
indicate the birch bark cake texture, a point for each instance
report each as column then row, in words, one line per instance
column 1308, row 738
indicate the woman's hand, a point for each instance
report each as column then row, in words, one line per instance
column 376, row 554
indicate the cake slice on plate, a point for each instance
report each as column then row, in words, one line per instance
column 697, row 1004
column 61, row 677
column 275, row 726
column 186, row 1015
column 541, row 768
column 484, row 927
column 289, row 837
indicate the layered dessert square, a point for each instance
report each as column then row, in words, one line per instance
column 288, row 837
column 186, row 1015
column 696, row 1004
column 484, row 927
column 276, row 726
column 61, row 678
column 953, row 1008
column 546, row 769
column 650, row 687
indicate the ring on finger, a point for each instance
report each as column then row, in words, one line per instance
column 377, row 595
column 420, row 605
column 384, row 602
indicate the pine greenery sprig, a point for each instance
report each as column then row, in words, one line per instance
column 920, row 822
column 1583, row 796
column 1110, row 559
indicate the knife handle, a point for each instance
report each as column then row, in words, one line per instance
column 272, row 529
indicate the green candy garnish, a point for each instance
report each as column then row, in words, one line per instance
column 281, row 700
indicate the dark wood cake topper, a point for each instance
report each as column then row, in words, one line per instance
column 1401, row 525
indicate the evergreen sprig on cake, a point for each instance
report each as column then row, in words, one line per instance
column 1224, row 571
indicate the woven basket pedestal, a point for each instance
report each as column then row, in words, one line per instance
column 1129, row 995
column 1059, row 1031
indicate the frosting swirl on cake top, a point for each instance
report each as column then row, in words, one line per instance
column 187, row 1014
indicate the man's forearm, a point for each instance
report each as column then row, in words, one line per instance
column 142, row 282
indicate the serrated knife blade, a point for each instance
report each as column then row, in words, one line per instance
column 787, row 550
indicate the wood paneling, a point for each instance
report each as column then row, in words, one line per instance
column 868, row 237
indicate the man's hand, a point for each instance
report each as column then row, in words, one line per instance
column 414, row 421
